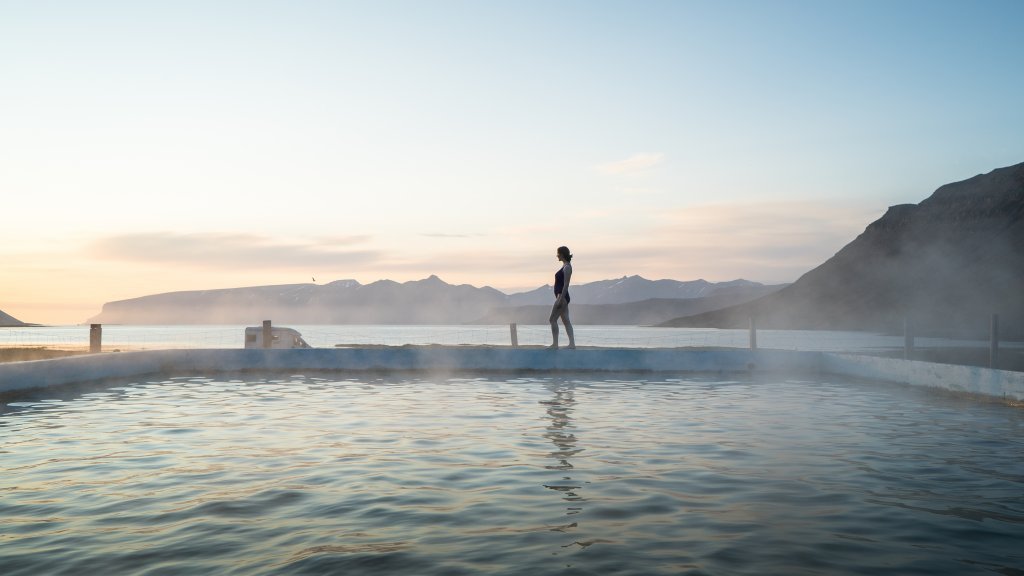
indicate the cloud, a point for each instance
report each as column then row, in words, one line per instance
column 342, row 240
column 751, row 224
column 766, row 241
column 231, row 251
column 445, row 235
column 762, row 241
column 635, row 163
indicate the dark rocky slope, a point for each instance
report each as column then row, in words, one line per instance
column 945, row 264
column 8, row 320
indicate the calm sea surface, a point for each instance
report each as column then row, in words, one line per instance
column 299, row 475
column 328, row 336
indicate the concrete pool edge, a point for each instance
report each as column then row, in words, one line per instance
column 975, row 380
column 19, row 377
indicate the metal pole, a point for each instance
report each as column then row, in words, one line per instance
column 268, row 337
column 753, row 333
column 908, row 339
column 95, row 338
column 515, row 336
column 993, row 347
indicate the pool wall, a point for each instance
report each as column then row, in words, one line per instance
column 1003, row 384
column 25, row 376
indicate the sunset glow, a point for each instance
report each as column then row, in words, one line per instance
column 149, row 148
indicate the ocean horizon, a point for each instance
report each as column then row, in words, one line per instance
column 151, row 337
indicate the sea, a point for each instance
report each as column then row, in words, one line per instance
column 156, row 337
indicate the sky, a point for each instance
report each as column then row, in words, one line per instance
column 150, row 147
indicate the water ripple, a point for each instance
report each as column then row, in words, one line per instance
column 537, row 475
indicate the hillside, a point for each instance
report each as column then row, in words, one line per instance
column 946, row 264
column 8, row 320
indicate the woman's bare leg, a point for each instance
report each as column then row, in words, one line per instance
column 568, row 326
column 553, row 319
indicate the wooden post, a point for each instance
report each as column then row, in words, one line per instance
column 753, row 333
column 268, row 335
column 515, row 335
column 95, row 338
column 908, row 339
column 993, row 346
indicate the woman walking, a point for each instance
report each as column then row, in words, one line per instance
column 561, row 307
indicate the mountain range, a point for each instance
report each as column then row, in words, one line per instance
column 945, row 266
column 643, row 312
column 628, row 300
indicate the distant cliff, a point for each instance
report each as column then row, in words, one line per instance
column 8, row 320
column 629, row 300
column 428, row 301
column 945, row 264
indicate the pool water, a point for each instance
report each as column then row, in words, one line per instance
column 505, row 475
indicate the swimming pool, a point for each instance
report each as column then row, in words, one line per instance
column 272, row 474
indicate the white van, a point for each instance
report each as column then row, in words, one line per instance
column 280, row 338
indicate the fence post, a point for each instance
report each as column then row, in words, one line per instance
column 268, row 335
column 95, row 338
column 908, row 339
column 753, row 333
column 512, row 329
column 993, row 346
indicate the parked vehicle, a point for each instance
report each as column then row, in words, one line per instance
column 280, row 338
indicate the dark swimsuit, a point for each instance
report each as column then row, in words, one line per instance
column 560, row 284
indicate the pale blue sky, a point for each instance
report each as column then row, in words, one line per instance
column 155, row 146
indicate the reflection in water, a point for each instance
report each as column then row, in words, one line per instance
column 560, row 433
column 272, row 475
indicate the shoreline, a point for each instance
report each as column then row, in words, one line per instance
column 30, row 353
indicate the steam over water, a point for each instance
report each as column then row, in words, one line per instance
column 302, row 475
column 328, row 336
